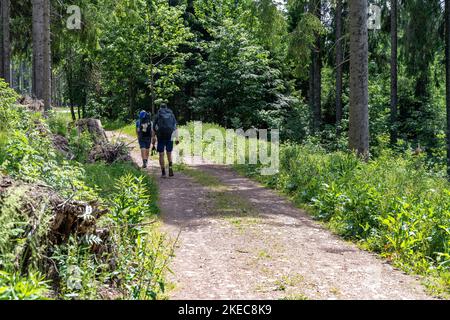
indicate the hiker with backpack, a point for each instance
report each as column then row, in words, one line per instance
column 144, row 132
column 165, row 129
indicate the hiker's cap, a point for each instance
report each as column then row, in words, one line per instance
column 142, row 115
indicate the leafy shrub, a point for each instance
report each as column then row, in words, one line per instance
column 15, row 287
column 58, row 121
column 81, row 145
column 9, row 115
column 3, row 143
column 142, row 264
column 135, row 263
column 80, row 272
column 131, row 203
column 104, row 178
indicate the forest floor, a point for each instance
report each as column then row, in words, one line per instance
column 240, row 240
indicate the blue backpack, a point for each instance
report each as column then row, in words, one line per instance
column 145, row 127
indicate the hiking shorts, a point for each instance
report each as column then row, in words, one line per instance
column 144, row 143
column 166, row 145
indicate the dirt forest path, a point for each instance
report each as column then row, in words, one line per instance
column 240, row 240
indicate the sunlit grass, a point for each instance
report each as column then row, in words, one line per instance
column 121, row 127
column 103, row 177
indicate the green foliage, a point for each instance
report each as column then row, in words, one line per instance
column 392, row 205
column 103, row 178
column 140, row 253
column 8, row 113
column 81, row 273
column 305, row 27
column 140, row 51
column 15, row 287
column 81, row 144
column 131, row 203
column 122, row 127
column 239, row 88
column 25, row 156
column 142, row 264
column 58, row 122
column 3, row 143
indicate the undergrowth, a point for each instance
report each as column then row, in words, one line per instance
column 134, row 255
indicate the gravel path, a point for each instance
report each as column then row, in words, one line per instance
column 240, row 240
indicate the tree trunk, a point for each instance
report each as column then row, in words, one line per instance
column 2, row 73
column 47, row 57
column 447, row 86
column 42, row 52
column 339, row 66
column 6, row 41
column 359, row 96
column 38, row 57
column 317, row 72
column 311, row 95
column 394, row 81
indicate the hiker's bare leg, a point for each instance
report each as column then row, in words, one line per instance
column 144, row 154
column 147, row 153
column 161, row 160
column 169, row 158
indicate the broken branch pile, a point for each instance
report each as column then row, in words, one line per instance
column 46, row 219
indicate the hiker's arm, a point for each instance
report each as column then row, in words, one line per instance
column 177, row 140
column 153, row 137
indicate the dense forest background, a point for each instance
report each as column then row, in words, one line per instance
column 244, row 63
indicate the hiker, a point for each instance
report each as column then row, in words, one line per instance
column 165, row 129
column 144, row 132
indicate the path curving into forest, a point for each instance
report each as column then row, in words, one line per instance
column 240, row 240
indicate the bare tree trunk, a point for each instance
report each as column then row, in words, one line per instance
column 38, row 55
column 2, row 73
column 339, row 67
column 42, row 52
column 317, row 72
column 6, row 41
column 359, row 96
column 447, row 85
column 47, row 58
column 21, row 77
column 394, row 54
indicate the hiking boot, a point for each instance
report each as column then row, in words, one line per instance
column 144, row 165
column 163, row 173
column 170, row 172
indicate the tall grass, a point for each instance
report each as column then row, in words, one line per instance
column 121, row 126
column 103, row 178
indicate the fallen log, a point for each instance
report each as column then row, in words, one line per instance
column 48, row 219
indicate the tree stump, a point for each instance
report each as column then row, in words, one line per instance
column 94, row 127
